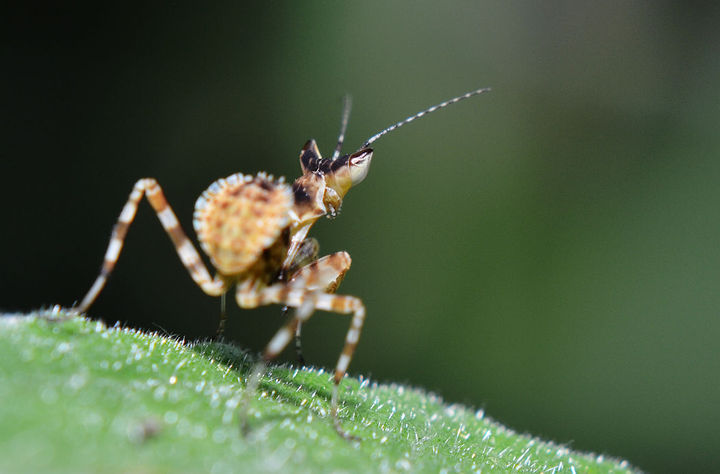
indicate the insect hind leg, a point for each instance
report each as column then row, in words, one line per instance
column 150, row 188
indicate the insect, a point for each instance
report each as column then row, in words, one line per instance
column 254, row 231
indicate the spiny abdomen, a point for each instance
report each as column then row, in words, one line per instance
column 240, row 216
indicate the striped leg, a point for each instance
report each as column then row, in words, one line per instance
column 306, row 295
column 323, row 274
column 185, row 249
column 301, row 252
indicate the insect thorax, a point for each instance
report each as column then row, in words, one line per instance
column 240, row 218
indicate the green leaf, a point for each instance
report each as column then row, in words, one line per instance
column 79, row 396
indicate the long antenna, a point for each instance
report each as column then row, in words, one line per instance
column 424, row 112
column 347, row 105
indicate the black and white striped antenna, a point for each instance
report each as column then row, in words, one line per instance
column 347, row 105
column 424, row 112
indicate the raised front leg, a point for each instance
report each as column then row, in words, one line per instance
column 305, row 293
column 324, row 274
column 184, row 247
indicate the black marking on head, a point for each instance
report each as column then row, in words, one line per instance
column 309, row 157
column 339, row 163
column 313, row 164
column 300, row 193
column 362, row 151
column 324, row 166
column 310, row 162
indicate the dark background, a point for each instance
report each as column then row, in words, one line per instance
column 549, row 251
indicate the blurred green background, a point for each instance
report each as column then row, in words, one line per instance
column 549, row 252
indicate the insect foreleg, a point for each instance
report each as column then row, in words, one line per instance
column 305, row 292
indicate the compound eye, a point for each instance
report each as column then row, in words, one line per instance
column 359, row 163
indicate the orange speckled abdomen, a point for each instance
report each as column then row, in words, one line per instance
column 240, row 216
